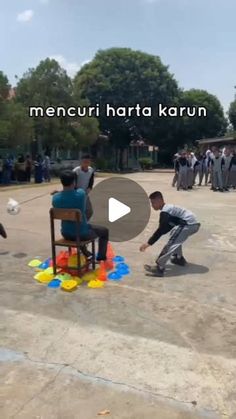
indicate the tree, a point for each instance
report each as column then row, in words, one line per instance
column 15, row 126
column 214, row 125
column 122, row 77
column 45, row 85
column 232, row 114
column 49, row 85
column 4, row 86
column 21, row 127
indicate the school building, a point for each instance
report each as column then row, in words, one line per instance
column 220, row 142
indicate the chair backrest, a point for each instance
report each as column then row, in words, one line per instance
column 65, row 214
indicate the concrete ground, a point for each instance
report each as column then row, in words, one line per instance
column 143, row 348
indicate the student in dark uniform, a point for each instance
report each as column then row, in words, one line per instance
column 192, row 162
column 181, row 223
column 227, row 168
column 232, row 177
column 175, row 178
column 204, row 168
column 28, row 168
column 182, row 166
column 197, row 168
column 38, row 169
column 217, row 164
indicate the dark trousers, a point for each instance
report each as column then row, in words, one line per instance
column 95, row 231
column 47, row 175
column 102, row 233
column 28, row 174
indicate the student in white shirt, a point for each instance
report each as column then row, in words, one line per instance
column 85, row 180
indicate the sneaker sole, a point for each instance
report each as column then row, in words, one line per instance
column 149, row 270
column 154, row 275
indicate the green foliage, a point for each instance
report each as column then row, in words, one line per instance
column 4, row 131
column 86, row 131
column 21, row 127
column 45, row 85
column 4, row 86
column 15, row 126
column 122, row 77
column 146, row 162
column 232, row 114
column 101, row 164
column 213, row 125
column 49, row 85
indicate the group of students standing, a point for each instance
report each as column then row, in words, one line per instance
column 22, row 168
column 216, row 167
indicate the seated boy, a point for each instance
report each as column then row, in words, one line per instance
column 71, row 198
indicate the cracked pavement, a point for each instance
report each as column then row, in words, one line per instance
column 143, row 348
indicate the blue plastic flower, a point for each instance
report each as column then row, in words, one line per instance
column 115, row 276
column 118, row 259
column 55, row 283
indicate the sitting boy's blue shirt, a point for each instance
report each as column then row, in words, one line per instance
column 72, row 199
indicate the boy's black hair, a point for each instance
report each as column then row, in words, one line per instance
column 86, row 157
column 156, row 195
column 67, row 177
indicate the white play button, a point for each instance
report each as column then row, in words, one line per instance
column 117, row 210
column 122, row 206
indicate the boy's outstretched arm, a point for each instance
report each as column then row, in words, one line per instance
column 164, row 227
column 91, row 183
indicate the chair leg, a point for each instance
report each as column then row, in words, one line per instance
column 78, row 261
column 54, row 261
column 93, row 255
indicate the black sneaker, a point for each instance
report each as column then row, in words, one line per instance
column 3, row 231
column 86, row 252
column 178, row 261
column 100, row 259
column 154, row 270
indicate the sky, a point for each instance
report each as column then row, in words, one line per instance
column 195, row 38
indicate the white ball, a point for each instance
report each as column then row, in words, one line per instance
column 13, row 211
column 13, row 207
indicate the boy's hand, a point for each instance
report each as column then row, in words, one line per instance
column 144, row 247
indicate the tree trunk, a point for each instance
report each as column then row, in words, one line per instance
column 121, row 165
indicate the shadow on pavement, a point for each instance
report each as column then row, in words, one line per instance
column 190, row 268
